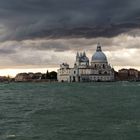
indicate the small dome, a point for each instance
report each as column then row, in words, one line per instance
column 99, row 56
column 84, row 59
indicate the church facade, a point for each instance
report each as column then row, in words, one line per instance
column 84, row 71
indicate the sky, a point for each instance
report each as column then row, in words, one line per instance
column 36, row 35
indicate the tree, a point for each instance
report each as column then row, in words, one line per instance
column 53, row 75
column 47, row 75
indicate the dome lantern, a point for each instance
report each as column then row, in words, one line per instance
column 98, row 48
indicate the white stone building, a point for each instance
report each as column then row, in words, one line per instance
column 97, row 70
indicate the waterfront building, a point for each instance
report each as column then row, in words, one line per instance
column 22, row 77
column 128, row 74
column 25, row 77
column 96, row 70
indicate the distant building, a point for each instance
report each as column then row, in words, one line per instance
column 22, row 77
column 123, row 74
column 97, row 70
column 128, row 74
column 36, row 77
column 133, row 74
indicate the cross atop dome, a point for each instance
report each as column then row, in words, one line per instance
column 98, row 47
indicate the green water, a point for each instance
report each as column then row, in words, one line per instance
column 74, row 111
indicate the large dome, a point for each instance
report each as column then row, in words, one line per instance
column 99, row 56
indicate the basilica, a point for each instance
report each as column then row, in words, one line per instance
column 84, row 71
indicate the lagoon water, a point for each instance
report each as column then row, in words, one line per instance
column 70, row 111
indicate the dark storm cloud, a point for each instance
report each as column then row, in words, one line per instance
column 29, row 19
